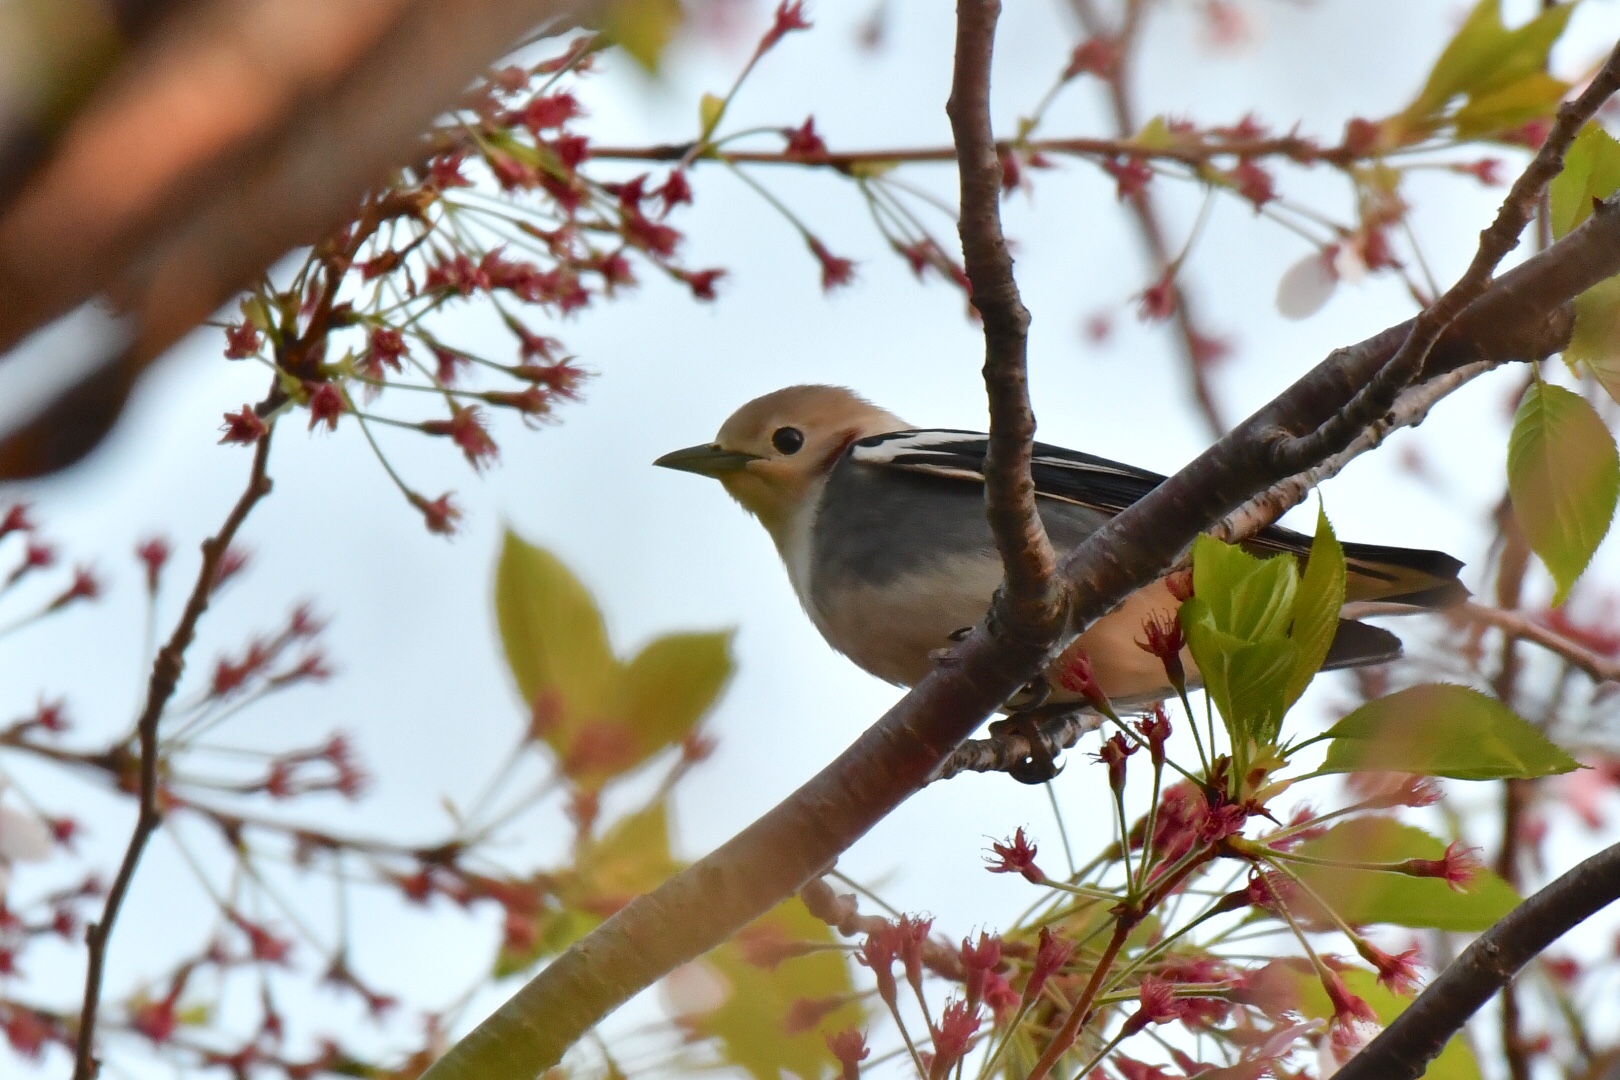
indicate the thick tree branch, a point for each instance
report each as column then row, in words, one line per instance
column 1031, row 603
column 1404, row 1050
column 166, row 670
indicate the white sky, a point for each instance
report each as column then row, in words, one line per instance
column 422, row 687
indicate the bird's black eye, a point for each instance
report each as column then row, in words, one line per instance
column 787, row 440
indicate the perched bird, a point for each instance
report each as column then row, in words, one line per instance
column 882, row 529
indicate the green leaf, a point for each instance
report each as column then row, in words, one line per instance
column 1442, row 730
column 750, row 1024
column 710, row 109
column 1316, row 608
column 1455, row 1062
column 1363, row 897
column 1533, row 97
column 632, row 858
column 1252, row 599
column 643, row 28
column 556, row 643
column 1596, row 339
column 1591, row 171
column 1484, row 56
column 1258, row 674
column 1564, row 477
column 672, row 684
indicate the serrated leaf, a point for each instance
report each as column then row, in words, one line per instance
column 643, row 28
column 1533, row 97
column 1564, row 479
column 711, row 108
column 1455, row 1062
column 555, row 641
column 1591, row 171
column 750, row 1024
column 1258, row 675
column 1442, row 730
column 1249, row 598
column 1316, row 608
column 1364, row 897
column 672, row 684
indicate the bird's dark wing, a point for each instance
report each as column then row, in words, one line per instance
column 1407, row 575
column 1066, row 475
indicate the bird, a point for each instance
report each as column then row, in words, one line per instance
column 882, row 529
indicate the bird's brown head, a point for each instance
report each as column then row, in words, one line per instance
column 775, row 449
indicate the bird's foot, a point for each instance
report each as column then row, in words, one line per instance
column 1028, row 741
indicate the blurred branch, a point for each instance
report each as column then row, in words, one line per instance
column 166, row 671
column 1404, row 1050
column 309, row 110
column 1194, row 342
column 796, row 840
column 1515, row 626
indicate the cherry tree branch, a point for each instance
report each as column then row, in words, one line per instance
column 1031, row 602
column 166, row 670
column 1404, row 1050
column 1515, row 626
column 222, row 201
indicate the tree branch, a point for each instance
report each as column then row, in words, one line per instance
column 225, row 201
column 1403, row 1051
column 772, row 858
column 166, row 671
column 1031, row 602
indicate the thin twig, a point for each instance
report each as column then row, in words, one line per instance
column 1515, row 626
column 166, row 671
column 1417, row 1036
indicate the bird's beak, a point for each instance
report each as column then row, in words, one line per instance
column 707, row 460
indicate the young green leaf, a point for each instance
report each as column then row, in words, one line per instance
column 1316, row 608
column 1564, row 477
column 750, row 1024
column 1455, row 1062
column 711, row 108
column 1591, row 171
column 1532, row 97
column 1483, row 58
column 555, row 641
column 643, row 28
column 1363, row 897
column 671, row 684
column 1596, row 339
column 1442, row 730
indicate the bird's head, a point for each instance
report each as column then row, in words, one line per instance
column 772, row 452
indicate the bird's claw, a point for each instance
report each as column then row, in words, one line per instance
column 1037, row 764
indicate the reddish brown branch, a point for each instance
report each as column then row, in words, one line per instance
column 1031, row 603
column 224, row 200
column 1404, row 1050
column 166, row 670
column 1293, row 147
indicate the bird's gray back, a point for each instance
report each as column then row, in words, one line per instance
column 878, row 523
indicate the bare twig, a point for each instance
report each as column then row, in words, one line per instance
column 1405, row 1048
column 1515, row 626
column 166, row 671
column 1194, row 342
column 1031, row 602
